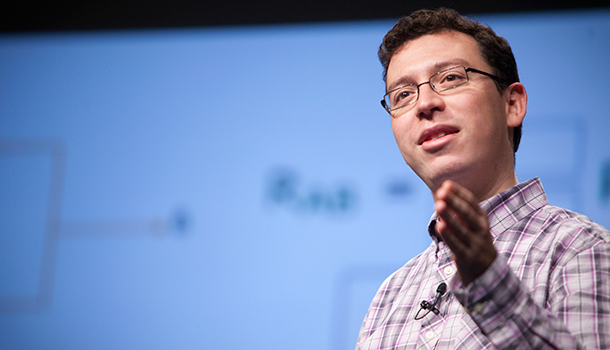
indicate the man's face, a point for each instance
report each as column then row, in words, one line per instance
column 460, row 134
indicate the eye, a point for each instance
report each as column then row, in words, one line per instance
column 403, row 95
column 451, row 78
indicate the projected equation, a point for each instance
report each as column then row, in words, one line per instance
column 285, row 189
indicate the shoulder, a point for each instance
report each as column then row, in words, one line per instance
column 571, row 224
column 568, row 233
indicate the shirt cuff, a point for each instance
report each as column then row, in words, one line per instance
column 492, row 298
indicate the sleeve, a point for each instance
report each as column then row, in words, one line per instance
column 576, row 316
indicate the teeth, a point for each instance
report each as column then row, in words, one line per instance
column 437, row 136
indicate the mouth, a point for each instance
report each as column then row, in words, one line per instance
column 436, row 133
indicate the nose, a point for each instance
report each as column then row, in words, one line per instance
column 428, row 101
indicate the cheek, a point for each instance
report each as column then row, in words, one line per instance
column 403, row 133
column 479, row 114
column 487, row 126
column 400, row 131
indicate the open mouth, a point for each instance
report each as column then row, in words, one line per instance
column 437, row 133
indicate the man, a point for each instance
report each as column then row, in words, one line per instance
column 505, row 269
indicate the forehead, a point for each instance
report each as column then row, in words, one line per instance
column 419, row 58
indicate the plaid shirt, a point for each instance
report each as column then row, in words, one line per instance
column 549, row 288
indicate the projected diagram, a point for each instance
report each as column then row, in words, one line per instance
column 550, row 149
column 31, row 192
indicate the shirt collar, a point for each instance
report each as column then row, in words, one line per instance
column 507, row 207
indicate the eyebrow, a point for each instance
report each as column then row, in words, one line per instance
column 437, row 67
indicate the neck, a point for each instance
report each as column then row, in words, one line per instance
column 482, row 189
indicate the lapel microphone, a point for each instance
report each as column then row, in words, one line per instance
column 431, row 306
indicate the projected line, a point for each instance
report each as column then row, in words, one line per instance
column 178, row 224
column 119, row 228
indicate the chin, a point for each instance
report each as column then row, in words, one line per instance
column 453, row 172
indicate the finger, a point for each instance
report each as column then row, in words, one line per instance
column 452, row 239
column 451, row 224
column 463, row 211
column 467, row 196
column 464, row 204
column 454, row 210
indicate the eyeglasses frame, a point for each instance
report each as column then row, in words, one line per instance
column 469, row 69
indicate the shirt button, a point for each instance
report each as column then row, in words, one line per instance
column 478, row 308
column 448, row 270
column 430, row 335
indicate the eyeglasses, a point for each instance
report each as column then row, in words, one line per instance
column 442, row 81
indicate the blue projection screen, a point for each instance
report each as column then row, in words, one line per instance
column 240, row 188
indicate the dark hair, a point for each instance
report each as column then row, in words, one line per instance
column 494, row 49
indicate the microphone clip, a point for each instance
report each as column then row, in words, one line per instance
column 431, row 306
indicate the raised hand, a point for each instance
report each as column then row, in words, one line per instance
column 464, row 227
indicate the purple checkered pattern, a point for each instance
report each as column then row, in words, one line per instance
column 549, row 288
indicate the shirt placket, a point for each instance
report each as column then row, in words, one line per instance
column 432, row 325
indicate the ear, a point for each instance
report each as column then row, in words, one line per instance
column 516, row 104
